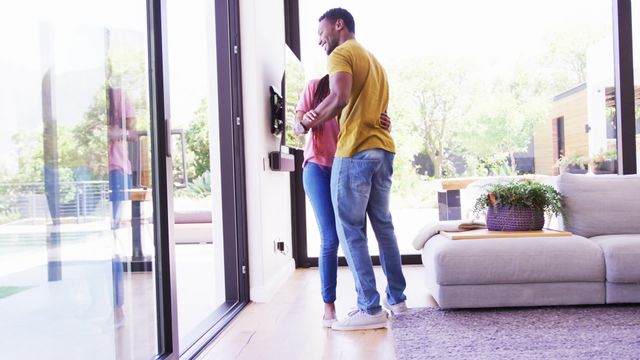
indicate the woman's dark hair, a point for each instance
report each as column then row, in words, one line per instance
column 340, row 13
column 322, row 91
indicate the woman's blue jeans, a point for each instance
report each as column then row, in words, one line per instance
column 360, row 186
column 120, row 183
column 317, row 184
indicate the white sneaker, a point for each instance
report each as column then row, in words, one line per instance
column 360, row 320
column 395, row 309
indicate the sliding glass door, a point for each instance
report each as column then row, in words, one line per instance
column 113, row 243
column 76, row 208
column 203, row 295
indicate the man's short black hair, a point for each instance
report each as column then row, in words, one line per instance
column 340, row 13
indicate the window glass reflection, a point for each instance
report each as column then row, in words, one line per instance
column 74, row 182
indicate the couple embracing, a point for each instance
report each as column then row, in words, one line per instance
column 347, row 172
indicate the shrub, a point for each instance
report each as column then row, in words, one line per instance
column 574, row 160
column 521, row 193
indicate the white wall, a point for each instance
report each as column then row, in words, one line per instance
column 268, row 195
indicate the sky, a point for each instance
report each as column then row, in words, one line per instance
column 34, row 34
column 489, row 29
column 38, row 33
column 78, row 40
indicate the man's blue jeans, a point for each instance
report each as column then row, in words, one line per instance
column 360, row 186
column 317, row 181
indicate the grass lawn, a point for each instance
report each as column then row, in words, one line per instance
column 6, row 291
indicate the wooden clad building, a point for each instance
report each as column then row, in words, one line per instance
column 564, row 132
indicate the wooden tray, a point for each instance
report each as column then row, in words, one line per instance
column 486, row 234
column 139, row 194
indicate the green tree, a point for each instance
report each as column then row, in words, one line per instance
column 91, row 138
column 434, row 97
column 31, row 160
column 197, row 138
column 84, row 146
column 294, row 85
column 29, row 156
column 126, row 69
column 564, row 63
column 503, row 122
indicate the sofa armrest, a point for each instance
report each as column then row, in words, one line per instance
column 434, row 228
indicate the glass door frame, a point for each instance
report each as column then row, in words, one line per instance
column 625, row 87
column 233, row 178
column 232, row 173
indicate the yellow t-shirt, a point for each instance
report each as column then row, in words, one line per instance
column 360, row 119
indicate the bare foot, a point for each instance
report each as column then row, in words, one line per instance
column 329, row 311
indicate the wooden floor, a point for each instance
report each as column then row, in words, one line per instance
column 289, row 326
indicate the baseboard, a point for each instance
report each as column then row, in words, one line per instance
column 265, row 293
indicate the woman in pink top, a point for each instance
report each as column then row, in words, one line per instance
column 121, row 129
column 319, row 151
column 121, row 118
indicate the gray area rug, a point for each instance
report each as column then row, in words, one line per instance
column 575, row 332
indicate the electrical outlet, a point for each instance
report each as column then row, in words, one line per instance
column 278, row 246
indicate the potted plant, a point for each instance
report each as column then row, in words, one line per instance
column 519, row 205
column 575, row 164
column 604, row 162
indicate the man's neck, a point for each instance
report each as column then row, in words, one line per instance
column 346, row 36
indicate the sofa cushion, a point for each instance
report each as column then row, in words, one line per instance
column 513, row 260
column 192, row 216
column 192, row 233
column 622, row 257
column 192, row 211
column 602, row 204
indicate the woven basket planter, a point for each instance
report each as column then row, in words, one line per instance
column 605, row 167
column 575, row 169
column 505, row 218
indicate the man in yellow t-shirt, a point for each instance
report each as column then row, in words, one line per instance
column 362, row 169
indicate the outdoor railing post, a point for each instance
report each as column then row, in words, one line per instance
column 84, row 201
column 77, row 204
column 32, row 205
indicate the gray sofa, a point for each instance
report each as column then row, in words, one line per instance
column 193, row 221
column 193, row 227
column 606, row 209
column 599, row 263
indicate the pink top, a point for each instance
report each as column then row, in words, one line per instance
column 327, row 142
column 117, row 126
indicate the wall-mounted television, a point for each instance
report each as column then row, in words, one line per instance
column 283, row 112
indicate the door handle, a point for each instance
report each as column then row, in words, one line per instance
column 167, row 127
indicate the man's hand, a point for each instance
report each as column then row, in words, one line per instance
column 309, row 117
column 302, row 127
column 385, row 121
